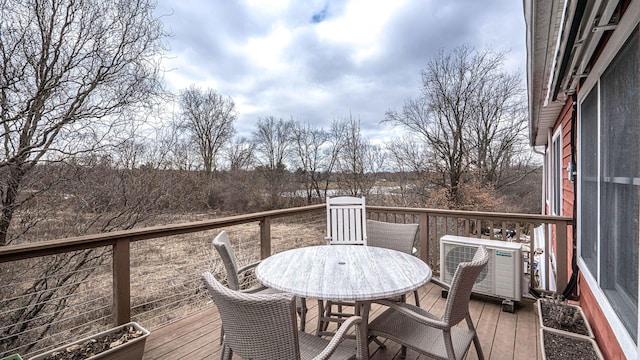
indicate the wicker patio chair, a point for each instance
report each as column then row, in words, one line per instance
column 440, row 338
column 263, row 326
column 400, row 237
column 223, row 246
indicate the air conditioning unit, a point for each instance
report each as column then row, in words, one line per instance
column 501, row 278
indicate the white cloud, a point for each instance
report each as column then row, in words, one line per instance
column 320, row 60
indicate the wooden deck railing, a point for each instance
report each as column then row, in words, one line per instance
column 433, row 224
column 120, row 241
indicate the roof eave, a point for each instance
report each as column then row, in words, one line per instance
column 544, row 20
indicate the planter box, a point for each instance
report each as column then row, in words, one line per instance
column 542, row 315
column 131, row 350
column 563, row 345
column 12, row 357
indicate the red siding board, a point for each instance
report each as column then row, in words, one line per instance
column 567, row 185
column 604, row 333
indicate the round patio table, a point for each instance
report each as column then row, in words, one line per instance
column 344, row 273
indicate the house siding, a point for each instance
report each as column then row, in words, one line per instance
column 564, row 120
column 627, row 19
column 604, row 334
column 605, row 337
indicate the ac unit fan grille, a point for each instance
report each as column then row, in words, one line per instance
column 458, row 254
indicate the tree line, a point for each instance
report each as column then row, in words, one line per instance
column 81, row 93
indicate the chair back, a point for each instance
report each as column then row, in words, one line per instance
column 346, row 220
column 457, row 306
column 222, row 244
column 256, row 326
column 401, row 237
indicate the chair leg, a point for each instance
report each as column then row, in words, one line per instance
column 302, row 312
column 476, row 340
column 320, row 325
column 403, row 352
column 415, row 294
column 326, row 311
column 381, row 345
column 221, row 334
column 226, row 353
column 448, row 344
column 476, row 343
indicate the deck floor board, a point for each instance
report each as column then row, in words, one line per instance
column 502, row 335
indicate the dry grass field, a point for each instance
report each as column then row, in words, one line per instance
column 165, row 279
column 165, row 273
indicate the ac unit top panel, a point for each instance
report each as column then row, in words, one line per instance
column 475, row 241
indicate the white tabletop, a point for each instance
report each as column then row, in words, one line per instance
column 343, row 272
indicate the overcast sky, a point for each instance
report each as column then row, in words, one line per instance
column 316, row 61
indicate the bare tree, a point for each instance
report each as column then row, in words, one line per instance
column 100, row 194
column 178, row 152
column 315, row 159
column 273, row 149
column 69, row 72
column 496, row 132
column 208, row 117
column 454, row 110
column 71, row 75
column 240, row 154
column 359, row 162
column 409, row 159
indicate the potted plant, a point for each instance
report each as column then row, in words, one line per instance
column 560, row 315
column 124, row 342
column 565, row 332
column 563, row 345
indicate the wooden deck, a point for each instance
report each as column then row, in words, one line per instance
column 503, row 335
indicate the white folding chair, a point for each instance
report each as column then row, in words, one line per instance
column 346, row 225
column 346, row 220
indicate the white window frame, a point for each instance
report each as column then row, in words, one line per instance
column 556, row 173
column 625, row 28
column 547, row 180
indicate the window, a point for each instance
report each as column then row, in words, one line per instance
column 610, row 182
column 589, row 181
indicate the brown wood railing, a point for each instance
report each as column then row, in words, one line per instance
column 433, row 224
column 120, row 241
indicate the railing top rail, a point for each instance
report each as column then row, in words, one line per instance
column 49, row 247
column 472, row 214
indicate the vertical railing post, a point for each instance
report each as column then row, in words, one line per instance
column 265, row 237
column 532, row 252
column 121, row 282
column 548, row 243
column 424, row 238
column 562, row 255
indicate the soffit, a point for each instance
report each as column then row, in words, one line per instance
column 544, row 22
column 562, row 36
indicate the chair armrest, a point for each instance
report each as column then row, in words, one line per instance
column 440, row 283
column 418, row 314
column 254, row 289
column 248, row 267
column 361, row 339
